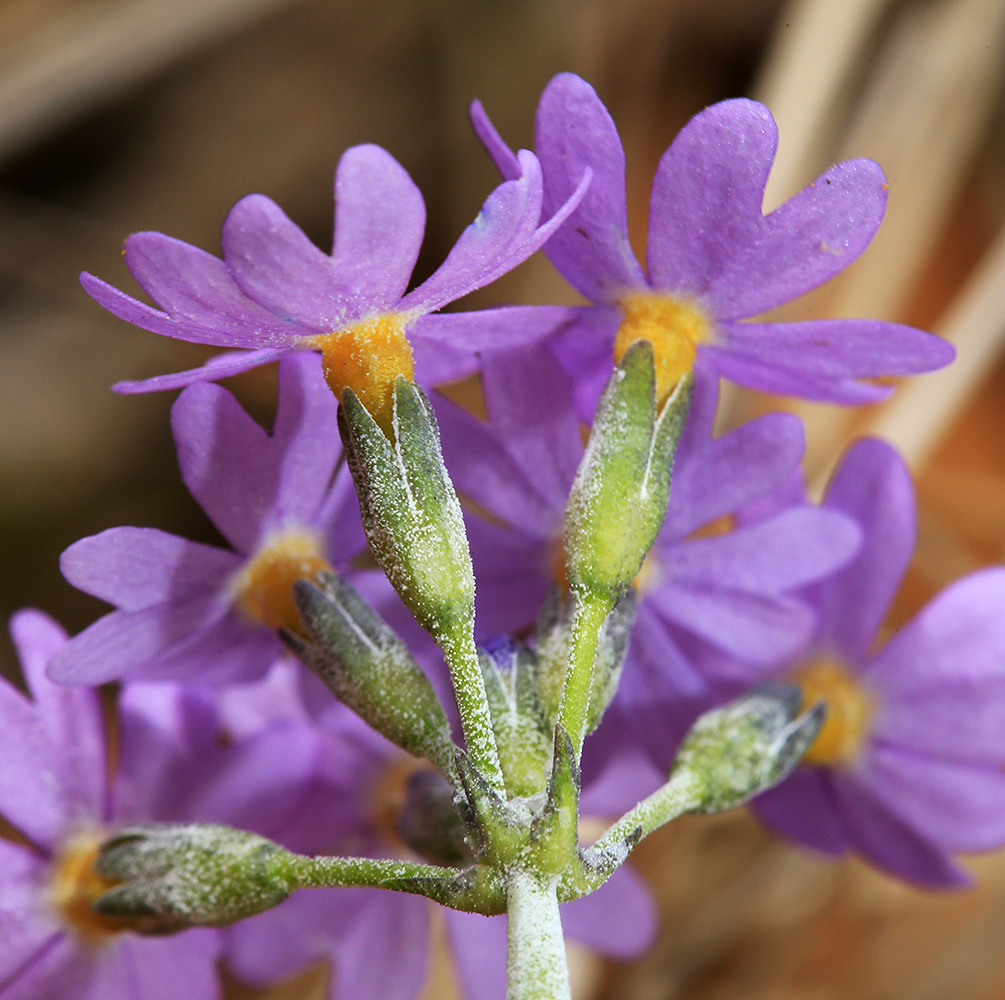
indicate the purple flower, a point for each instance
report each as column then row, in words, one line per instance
column 53, row 789
column 199, row 612
column 275, row 292
column 908, row 767
column 713, row 258
column 728, row 590
column 378, row 940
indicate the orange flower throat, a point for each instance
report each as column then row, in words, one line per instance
column 365, row 357
column 263, row 589
column 849, row 710
column 74, row 886
column 675, row 328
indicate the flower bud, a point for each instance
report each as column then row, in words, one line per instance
column 367, row 667
column 411, row 514
column 176, row 876
column 738, row 751
column 619, row 498
column 521, row 731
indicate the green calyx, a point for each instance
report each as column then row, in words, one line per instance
column 619, row 498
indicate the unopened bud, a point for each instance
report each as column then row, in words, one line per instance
column 196, row 875
column 619, row 498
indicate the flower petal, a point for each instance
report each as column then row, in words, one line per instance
column 708, row 237
column 872, row 485
column 222, row 366
column 135, row 568
column 891, row 844
column 61, row 968
column 25, row 929
column 384, row 955
column 804, row 809
column 575, row 131
column 119, row 644
column 379, row 222
column 492, row 329
column 733, row 470
column 585, row 349
column 211, row 309
column 71, row 717
column 229, row 463
column 656, row 672
column 619, row 919
column 785, row 552
column 505, row 233
column 159, row 968
column 502, row 156
column 277, row 266
column 484, row 469
column 953, row 806
column 31, row 788
column 626, row 779
column 478, row 947
column 305, row 440
column 440, row 361
column 823, row 359
column 958, row 639
column 759, row 628
column 512, row 576
column 197, row 290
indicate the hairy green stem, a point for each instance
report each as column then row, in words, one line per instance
column 680, row 794
column 458, row 645
column 325, row 872
column 536, row 967
column 591, row 612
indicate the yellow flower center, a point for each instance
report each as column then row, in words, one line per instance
column 74, row 885
column 849, row 709
column 675, row 328
column 263, row 589
column 648, row 576
column 365, row 357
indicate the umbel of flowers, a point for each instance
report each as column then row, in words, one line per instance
column 453, row 766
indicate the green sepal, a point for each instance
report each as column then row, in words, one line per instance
column 554, row 831
column 190, row 875
column 497, row 830
column 521, row 732
column 411, row 515
column 619, row 498
column 593, row 866
column 744, row 748
column 551, row 643
column 478, row 889
column 367, row 667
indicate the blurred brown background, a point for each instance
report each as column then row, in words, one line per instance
column 124, row 115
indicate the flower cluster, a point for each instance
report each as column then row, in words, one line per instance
column 638, row 577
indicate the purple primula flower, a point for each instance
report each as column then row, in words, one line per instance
column 728, row 590
column 713, row 258
column 908, row 767
column 378, row 940
column 275, row 292
column 198, row 612
column 53, row 789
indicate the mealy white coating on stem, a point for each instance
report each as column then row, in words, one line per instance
column 536, row 966
column 591, row 611
column 461, row 654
